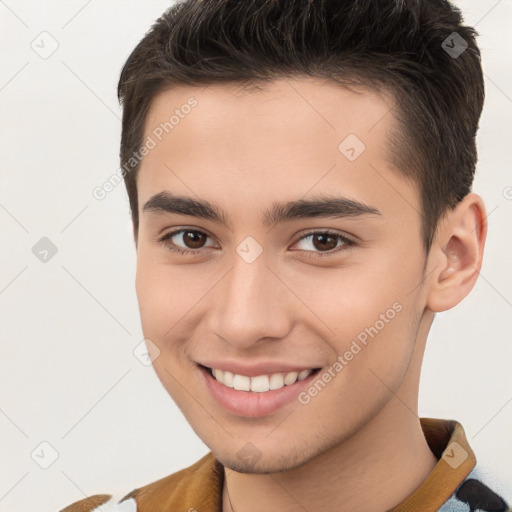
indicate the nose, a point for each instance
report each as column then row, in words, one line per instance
column 251, row 305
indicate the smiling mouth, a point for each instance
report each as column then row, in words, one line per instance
column 259, row 383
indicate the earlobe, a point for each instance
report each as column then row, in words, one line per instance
column 457, row 252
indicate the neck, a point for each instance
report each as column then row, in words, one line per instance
column 373, row 470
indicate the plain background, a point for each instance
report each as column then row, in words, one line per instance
column 69, row 326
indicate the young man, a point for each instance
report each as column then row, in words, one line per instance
column 299, row 174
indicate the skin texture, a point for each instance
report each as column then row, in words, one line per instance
column 243, row 150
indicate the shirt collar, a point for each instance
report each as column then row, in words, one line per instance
column 447, row 441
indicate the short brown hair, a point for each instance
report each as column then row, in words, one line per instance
column 398, row 46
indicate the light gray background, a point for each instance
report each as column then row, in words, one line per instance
column 69, row 326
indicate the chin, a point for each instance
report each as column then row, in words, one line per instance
column 269, row 460
column 263, row 466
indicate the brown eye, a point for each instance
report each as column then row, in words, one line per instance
column 185, row 241
column 194, row 239
column 324, row 242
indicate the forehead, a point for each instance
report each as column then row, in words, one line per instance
column 286, row 138
column 311, row 106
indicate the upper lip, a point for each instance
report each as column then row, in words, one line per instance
column 255, row 369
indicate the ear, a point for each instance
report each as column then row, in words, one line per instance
column 456, row 253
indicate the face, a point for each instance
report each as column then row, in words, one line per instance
column 279, row 257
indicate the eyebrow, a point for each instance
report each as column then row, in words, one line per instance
column 320, row 206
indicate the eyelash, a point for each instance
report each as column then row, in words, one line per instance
column 347, row 243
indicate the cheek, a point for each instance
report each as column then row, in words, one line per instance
column 154, row 298
column 166, row 296
column 372, row 311
column 166, row 293
column 379, row 322
column 350, row 300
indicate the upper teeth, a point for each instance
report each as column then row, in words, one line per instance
column 261, row 383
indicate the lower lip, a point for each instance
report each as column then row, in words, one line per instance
column 250, row 403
